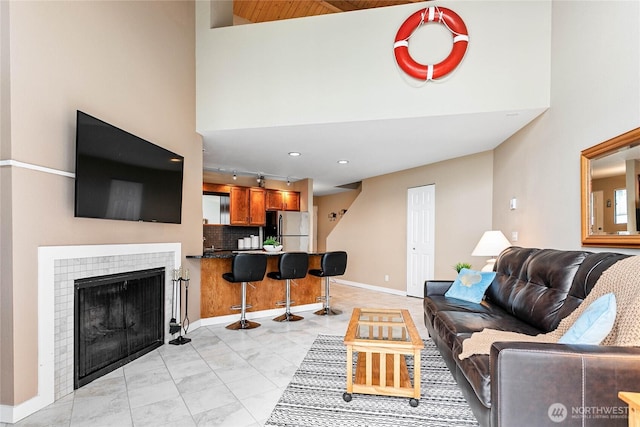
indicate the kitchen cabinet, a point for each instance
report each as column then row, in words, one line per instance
column 283, row 200
column 247, row 206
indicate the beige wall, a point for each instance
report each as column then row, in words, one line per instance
column 333, row 203
column 374, row 230
column 608, row 187
column 131, row 64
column 540, row 165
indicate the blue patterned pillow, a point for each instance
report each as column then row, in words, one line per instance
column 470, row 285
column 594, row 324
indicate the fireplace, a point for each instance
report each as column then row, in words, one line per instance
column 58, row 269
column 118, row 318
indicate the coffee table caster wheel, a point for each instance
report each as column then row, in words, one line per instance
column 347, row 397
column 412, row 402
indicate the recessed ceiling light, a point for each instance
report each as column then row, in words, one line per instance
column 294, row 154
column 343, row 162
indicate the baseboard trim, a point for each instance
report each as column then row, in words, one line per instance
column 371, row 287
column 230, row 318
column 13, row 414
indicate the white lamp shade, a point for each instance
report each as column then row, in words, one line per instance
column 491, row 244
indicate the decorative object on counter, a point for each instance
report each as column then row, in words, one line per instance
column 491, row 244
column 271, row 244
column 180, row 275
column 331, row 264
column 240, row 243
column 255, row 242
column 459, row 266
column 245, row 268
column 291, row 265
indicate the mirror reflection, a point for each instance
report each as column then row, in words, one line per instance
column 611, row 192
column 614, row 192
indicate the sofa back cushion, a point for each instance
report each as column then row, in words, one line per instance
column 533, row 284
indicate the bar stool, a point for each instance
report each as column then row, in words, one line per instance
column 331, row 264
column 246, row 268
column 291, row 265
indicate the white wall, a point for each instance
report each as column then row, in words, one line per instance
column 341, row 67
column 595, row 95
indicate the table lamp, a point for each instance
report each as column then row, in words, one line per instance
column 491, row 244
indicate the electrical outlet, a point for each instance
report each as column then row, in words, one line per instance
column 513, row 204
column 514, row 236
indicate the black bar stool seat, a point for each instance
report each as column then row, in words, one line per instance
column 246, row 268
column 331, row 264
column 291, row 265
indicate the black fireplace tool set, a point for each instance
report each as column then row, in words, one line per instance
column 180, row 276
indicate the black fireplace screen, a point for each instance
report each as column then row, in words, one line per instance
column 118, row 318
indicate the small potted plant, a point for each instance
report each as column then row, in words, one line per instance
column 271, row 244
column 459, row 266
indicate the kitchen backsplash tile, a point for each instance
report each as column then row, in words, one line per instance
column 225, row 236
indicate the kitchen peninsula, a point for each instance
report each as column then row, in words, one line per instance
column 217, row 295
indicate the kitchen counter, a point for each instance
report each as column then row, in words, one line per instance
column 222, row 254
column 217, row 295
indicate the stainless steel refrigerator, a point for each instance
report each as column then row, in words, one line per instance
column 290, row 228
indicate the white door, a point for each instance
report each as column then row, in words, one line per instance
column 420, row 238
column 597, row 212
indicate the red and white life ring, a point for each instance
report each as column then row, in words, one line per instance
column 444, row 16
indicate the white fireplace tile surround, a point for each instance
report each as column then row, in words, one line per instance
column 58, row 267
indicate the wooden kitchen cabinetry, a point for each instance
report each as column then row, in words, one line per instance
column 247, row 206
column 283, row 200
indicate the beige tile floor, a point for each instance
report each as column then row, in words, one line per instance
column 221, row 378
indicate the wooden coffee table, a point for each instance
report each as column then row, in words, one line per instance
column 383, row 338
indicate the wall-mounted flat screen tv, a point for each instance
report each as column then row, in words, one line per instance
column 121, row 176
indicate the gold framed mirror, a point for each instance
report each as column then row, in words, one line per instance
column 610, row 192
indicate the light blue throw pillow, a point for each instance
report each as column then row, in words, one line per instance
column 470, row 285
column 594, row 324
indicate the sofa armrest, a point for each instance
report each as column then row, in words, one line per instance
column 533, row 382
column 436, row 287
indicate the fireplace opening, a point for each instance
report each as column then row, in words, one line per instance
column 118, row 318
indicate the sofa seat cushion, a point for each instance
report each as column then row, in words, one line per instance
column 437, row 303
column 477, row 371
column 450, row 324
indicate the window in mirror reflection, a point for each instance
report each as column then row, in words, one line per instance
column 620, row 206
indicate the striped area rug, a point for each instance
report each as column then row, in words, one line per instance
column 314, row 396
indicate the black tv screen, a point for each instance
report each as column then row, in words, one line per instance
column 121, row 176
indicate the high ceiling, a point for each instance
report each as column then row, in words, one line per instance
column 274, row 10
column 373, row 148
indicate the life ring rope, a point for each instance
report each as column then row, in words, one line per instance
column 431, row 72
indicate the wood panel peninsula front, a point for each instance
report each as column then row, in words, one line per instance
column 217, row 295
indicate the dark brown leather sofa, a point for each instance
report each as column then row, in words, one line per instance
column 534, row 384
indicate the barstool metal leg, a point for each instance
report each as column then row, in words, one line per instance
column 327, row 310
column 288, row 316
column 243, row 323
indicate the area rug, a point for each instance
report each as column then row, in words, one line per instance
column 314, row 396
